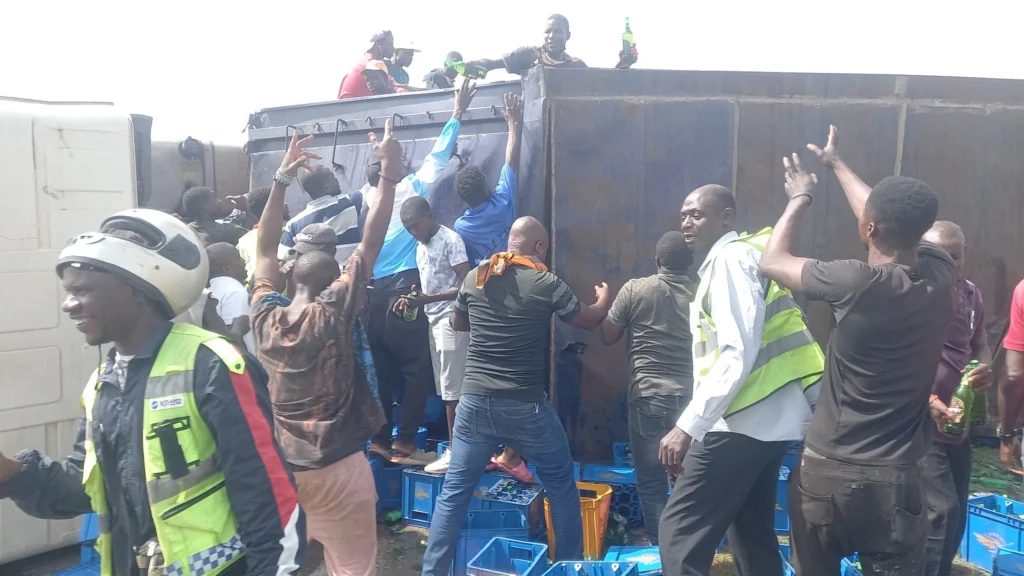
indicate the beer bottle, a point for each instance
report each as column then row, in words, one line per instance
column 467, row 70
column 627, row 41
column 961, row 403
column 410, row 313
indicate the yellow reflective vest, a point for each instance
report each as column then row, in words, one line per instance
column 788, row 350
column 194, row 522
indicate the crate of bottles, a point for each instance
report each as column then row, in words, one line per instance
column 622, row 454
column 646, row 558
column 993, row 522
column 576, row 568
column 595, row 506
column 625, row 497
column 505, row 557
column 483, row 525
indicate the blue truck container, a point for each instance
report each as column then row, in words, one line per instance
column 481, row 527
column 993, row 522
column 505, row 557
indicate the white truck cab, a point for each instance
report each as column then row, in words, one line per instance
column 64, row 167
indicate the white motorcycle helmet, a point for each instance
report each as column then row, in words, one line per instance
column 157, row 253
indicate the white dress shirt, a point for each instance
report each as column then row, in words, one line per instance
column 737, row 308
column 232, row 302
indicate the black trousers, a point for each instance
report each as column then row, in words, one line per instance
column 728, row 488
column 837, row 509
column 401, row 352
column 945, row 479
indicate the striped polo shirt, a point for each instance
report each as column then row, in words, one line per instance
column 339, row 212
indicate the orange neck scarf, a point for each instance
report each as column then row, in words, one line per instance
column 500, row 262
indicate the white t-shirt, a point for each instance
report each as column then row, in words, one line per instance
column 436, row 261
column 232, row 302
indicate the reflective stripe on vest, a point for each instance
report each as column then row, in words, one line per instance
column 191, row 513
column 788, row 350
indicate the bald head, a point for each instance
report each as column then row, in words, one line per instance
column 950, row 238
column 528, row 237
column 314, row 271
column 707, row 214
column 225, row 261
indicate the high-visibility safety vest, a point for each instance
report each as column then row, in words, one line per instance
column 788, row 350
column 191, row 513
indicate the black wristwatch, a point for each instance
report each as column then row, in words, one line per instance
column 1015, row 433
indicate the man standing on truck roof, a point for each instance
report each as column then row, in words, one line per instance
column 398, row 63
column 401, row 347
column 370, row 76
column 858, row 487
column 506, row 304
column 323, row 406
column 656, row 313
column 756, row 368
column 444, row 77
column 175, row 451
column 552, row 53
column 946, row 467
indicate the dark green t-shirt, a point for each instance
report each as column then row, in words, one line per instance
column 509, row 320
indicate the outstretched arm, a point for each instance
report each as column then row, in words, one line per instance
column 271, row 222
column 514, row 117
column 436, row 162
column 777, row 261
column 389, row 152
column 856, row 190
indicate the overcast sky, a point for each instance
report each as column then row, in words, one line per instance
column 200, row 67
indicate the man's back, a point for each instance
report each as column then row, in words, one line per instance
column 891, row 322
column 655, row 311
column 509, row 320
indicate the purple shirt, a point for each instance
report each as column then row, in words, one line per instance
column 966, row 331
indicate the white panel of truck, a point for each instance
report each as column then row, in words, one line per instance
column 64, row 168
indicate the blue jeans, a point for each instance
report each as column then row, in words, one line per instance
column 533, row 430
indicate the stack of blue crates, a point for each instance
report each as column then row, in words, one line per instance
column 504, row 557
column 993, row 522
column 420, row 491
column 789, row 462
column 480, row 528
column 622, row 479
column 580, row 568
column 387, row 477
column 622, row 454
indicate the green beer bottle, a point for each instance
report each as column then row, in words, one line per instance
column 410, row 313
column 961, row 404
column 627, row 41
column 467, row 70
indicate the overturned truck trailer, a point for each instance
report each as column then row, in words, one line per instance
column 609, row 155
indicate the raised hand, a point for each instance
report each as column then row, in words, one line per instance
column 240, row 202
column 388, row 151
column 464, row 97
column 799, row 182
column 601, row 292
column 830, row 155
column 296, row 157
column 513, row 108
column 627, row 60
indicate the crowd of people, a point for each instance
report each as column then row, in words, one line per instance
column 221, row 442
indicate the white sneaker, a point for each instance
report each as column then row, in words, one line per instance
column 439, row 466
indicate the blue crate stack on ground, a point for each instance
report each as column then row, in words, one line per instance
column 580, row 568
column 387, row 479
column 534, row 511
column 419, row 496
column 992, row 523
column 482, row 526
column 625, row 498
column 505, row 557
column 646, row 558
column 89, row 558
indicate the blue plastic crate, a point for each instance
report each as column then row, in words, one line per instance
column 534, row 512
column 419, row 496
column 442, row 447
column 992, row 523
column 622, row 454
column 610, row 475
column 387, row 479
column 850, row 567
column 646, row 558
column 1008, row 563
column 622, row 479
column 81, row 570
column 782, row 496
column 87, row 536
column 483, row 525
column 577, row 568
column 502, row 556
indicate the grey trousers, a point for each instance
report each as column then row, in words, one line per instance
column 650, row 418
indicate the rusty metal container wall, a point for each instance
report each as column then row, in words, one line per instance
column 624, row 148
